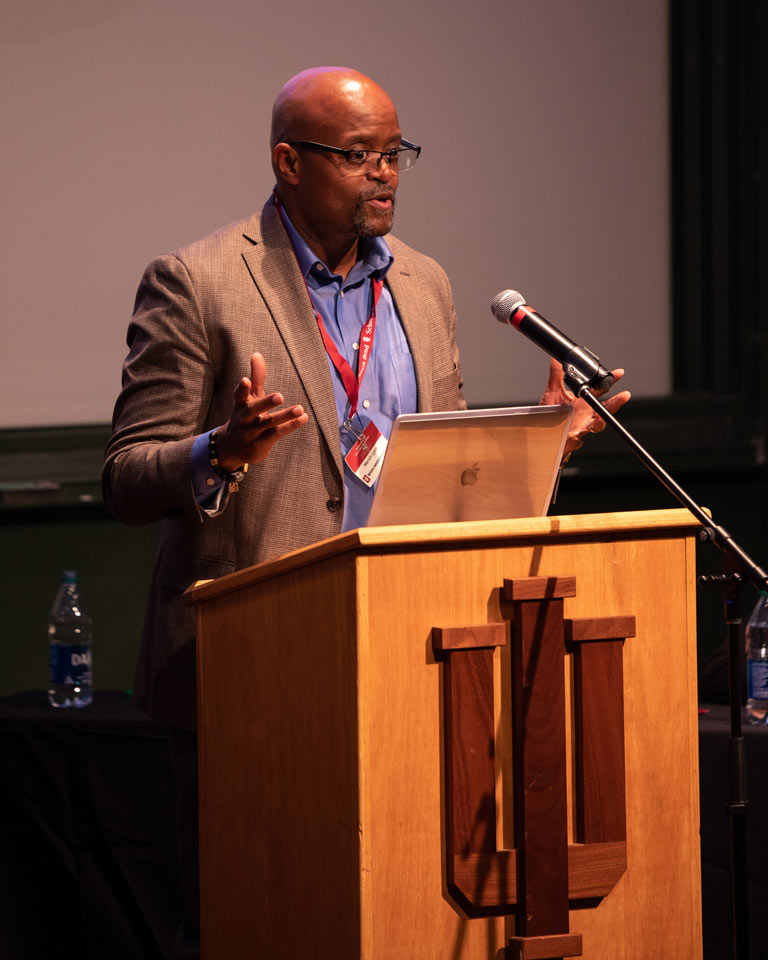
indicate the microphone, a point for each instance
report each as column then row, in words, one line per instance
column 580, row 365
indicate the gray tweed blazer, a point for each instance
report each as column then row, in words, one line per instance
column 200, row 312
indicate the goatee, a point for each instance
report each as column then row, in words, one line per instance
column 368, row 222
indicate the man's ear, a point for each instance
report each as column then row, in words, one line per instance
column 286, row 163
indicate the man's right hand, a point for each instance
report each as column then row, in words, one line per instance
column 255, row 426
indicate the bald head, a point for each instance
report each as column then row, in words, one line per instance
column 329, row 201
column 311, row 104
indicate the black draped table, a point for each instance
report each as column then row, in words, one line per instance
column 87, row 848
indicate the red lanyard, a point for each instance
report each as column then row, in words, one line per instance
column 348, row 378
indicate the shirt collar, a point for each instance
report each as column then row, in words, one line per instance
column 373, row 257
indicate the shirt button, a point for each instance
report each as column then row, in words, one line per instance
column 333, row 504
column 211, row 482
column 366, row 403
column 319, row 266
column 355, row 346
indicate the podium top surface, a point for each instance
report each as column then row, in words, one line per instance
column 426, row 535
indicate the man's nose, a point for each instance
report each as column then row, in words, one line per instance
column 383, row 171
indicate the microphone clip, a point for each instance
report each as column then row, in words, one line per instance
column 582, row 368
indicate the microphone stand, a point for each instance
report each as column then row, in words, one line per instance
column 731, row 583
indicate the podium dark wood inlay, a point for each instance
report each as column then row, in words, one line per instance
column 539, row 877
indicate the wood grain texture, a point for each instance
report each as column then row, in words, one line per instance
column 490, row 879
column 470, row 781
column 650, row 575
column 594, row 869
column 279, row 768
column 599, row 740
column 321, row 796
column 544, row 948
column 470, row 767
column 414, row 916
column 599, row 628
column 538, row 588
column 495, row 533
column 460, row 638
column 539, row 756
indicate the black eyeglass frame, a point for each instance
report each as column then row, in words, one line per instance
column 405, row 145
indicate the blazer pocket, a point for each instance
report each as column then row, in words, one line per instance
column 177, row 570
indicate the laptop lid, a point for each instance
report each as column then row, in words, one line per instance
column 470, row 465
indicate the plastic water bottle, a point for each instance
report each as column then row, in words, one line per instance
column 69, row 644
column 757, row 662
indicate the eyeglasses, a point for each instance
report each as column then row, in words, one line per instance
column 399, row 159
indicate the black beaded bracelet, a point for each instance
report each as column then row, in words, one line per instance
column 233, row 478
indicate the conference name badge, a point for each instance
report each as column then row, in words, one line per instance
column 366, row 456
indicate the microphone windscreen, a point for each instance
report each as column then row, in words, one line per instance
column 505, row 303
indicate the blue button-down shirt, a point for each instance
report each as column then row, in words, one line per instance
column 389, row 385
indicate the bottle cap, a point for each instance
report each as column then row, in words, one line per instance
column 69, row 576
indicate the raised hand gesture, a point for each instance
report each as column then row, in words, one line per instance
column 585, row 420
column 255, row 425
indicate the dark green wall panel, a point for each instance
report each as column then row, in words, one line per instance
column 115, row 565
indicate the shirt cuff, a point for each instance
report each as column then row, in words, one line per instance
column 208, row 486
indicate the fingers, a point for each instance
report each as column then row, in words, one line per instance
column 617, row 374
column 615, row 403
column 555, row 378
column 585, row 419
column 255, row 425
column 274, row 428
column 597, row 424
column 243, row 392
column 250, row 408
column 258, row 375
column 250, row 394
column 612, row 404
column 555, row 391
column 277, row 423
column 248, row 436
column 572, row 442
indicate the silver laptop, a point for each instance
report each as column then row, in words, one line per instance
column 470, row 465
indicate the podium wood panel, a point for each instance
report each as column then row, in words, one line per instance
column 321, row 787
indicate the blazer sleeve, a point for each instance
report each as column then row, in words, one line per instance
column 167, row 385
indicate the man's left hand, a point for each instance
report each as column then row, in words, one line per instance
column 585, row 420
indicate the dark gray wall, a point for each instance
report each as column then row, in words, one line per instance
column 131, row 128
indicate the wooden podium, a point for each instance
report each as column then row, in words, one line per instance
column 359, row 796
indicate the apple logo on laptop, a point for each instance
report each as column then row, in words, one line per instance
column 469, row 476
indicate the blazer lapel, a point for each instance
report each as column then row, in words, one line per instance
column 404, row 287
column 273, row 267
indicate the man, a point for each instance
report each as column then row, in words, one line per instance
column 237, row 476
